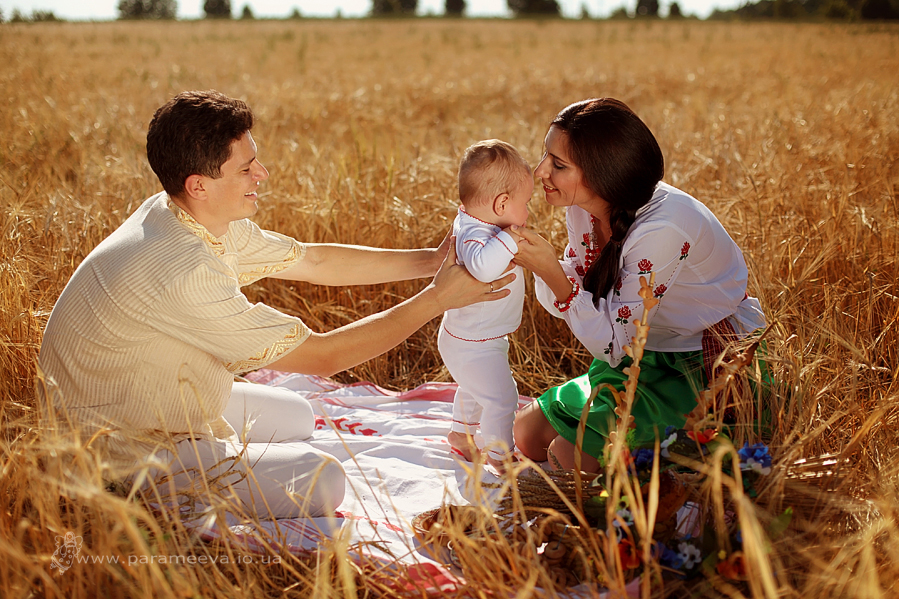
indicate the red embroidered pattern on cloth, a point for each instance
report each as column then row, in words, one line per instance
column 592, row 249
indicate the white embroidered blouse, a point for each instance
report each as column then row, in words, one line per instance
column 700, row 279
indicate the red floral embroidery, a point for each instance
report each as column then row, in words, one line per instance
column 685, row 250
column 580, row 270
column 660, row 291
column 572, row 253
column 645, row 266
column 589, row 242
column 617, row 289
column 623, row 314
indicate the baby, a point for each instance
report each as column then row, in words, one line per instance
column 495, row 186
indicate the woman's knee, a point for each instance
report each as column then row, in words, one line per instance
column 532, row 432
column 563, row 454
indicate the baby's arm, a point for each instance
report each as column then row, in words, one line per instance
column 488, row 257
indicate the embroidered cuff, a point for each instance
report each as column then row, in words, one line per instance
column 575, row 289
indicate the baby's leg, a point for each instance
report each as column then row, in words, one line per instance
column 466, row 419
column 466, row 410
column 487, row 378
column 498, row 394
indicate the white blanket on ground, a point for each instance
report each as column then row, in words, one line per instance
column 398, row 463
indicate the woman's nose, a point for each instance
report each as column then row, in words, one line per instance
column 541, row 171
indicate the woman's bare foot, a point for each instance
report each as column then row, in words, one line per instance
column 464, row 443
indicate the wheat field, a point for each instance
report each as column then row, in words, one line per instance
column 788, row 132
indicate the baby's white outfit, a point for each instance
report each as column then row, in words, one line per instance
column 473, row 340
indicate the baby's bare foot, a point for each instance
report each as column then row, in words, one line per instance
column 464, row 443
column 500, row 465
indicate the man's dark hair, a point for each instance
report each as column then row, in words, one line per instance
column 192, row 133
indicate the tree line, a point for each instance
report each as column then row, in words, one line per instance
column 759, row 10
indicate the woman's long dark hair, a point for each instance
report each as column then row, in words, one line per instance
column 622, row 163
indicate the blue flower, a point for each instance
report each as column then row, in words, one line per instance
column 755, row 457
column 668, row 557
column 643, row 458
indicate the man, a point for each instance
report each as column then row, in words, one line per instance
column 141, row 349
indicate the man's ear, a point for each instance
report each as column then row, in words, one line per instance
column 500, row 203
column 195, row 187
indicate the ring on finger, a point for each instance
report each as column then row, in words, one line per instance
column 491, row 287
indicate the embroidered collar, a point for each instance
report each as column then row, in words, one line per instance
column 196, row 228
column 462, row 211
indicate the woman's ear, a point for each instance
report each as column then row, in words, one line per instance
column 500, row 203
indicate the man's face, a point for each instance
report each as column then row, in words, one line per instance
column 233, row 196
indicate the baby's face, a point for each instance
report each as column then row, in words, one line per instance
column 517, row 209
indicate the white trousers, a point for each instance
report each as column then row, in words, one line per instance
column 272, row 472
column 487, row 394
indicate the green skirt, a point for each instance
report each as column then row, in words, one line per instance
column 667, row 390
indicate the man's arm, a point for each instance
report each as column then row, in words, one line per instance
column 337, row 264
column 327, row 353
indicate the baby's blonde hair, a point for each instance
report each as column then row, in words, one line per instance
column 489, row 168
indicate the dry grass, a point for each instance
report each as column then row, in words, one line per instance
column 790, row 133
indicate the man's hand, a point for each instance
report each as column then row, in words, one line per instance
column 344, row 347
column 456, row 288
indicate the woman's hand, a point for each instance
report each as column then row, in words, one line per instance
column 539, row 256
column 456, row 288
column 535, row 253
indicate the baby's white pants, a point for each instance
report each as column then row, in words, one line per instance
column 487, row 394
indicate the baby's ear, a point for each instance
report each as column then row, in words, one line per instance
column 499, row 204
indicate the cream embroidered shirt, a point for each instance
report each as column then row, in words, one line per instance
column 147, row 335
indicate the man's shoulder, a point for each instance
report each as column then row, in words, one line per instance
column 150, row 239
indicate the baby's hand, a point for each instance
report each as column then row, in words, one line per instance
column 514, row 234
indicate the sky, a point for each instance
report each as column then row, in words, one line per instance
column 189, row 9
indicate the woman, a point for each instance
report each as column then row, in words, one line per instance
column 604, row 165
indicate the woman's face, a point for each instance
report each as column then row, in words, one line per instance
column 563, row 180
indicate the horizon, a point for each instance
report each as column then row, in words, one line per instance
column 105, row 10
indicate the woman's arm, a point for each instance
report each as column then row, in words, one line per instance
column 605, row 326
